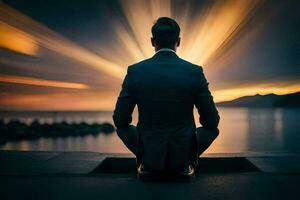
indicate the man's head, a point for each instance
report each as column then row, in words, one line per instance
column 165, row 33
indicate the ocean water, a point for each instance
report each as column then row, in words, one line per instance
column 242, row 130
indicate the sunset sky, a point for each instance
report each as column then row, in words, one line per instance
column 73, row 55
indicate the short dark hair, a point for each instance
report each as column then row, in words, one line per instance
column 165, row 32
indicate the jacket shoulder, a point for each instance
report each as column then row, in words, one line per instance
column 139, row 64
column 192, row 67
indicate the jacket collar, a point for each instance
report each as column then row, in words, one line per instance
column 165, row 49
column 165, row 52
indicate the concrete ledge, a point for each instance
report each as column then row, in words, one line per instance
column 66, row 175
column 83, row 163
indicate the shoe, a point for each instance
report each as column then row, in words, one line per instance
column 186, row 174
column 183, row 175
column 144, row 174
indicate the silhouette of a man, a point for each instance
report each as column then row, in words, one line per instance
column 165, row 89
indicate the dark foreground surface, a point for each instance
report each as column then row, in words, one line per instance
column 83, row 175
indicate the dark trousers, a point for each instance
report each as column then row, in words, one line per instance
column 204, row 137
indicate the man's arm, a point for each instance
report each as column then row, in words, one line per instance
column 125, row 103
column 209, row 117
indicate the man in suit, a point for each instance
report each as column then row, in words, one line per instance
column 165, row 89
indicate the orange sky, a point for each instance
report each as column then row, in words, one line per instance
column 45, row 70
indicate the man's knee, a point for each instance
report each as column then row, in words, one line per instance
column 208, row 135
column 129, row 136
column 126, row 131
column 215, row 132
column 121, row 132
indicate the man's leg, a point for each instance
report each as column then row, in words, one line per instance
column 129, row 136
column 205, row 138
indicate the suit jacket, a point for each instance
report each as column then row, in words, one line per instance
column 165, row 89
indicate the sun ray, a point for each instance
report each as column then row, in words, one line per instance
column 41, row 82
column 17, row 40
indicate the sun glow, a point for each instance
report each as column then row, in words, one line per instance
column 203, row 36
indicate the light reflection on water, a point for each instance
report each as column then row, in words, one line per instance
column 242, row 130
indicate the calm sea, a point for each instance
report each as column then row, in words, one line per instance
column 242, row 130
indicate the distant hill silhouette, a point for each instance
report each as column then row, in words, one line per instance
column 269, row 100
